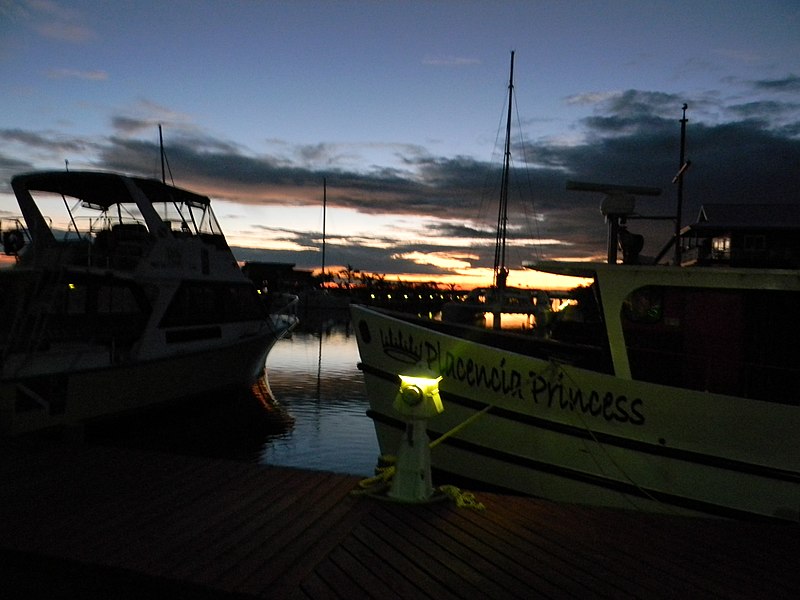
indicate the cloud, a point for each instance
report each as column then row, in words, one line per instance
column 52, row 142
column 440, row 260
column 65, row 32
column 75, row 74
column 791, row 83
column 743, row 56
column 131, row 125
column 766, row 110
column 57, row 22
column 450, row 61
column 740, row 152
column 590, row 98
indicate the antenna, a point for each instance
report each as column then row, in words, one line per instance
column 619, row 204
column 682, row 167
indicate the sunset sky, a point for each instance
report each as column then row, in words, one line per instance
column 401, row 107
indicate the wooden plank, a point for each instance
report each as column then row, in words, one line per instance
column 396, row 553
column 564, row 567
column 508, row 567
column 328, row 581
column 163, row 523
column 540, row 564
column 365, row 578
column 184, row 506
column 461, row 567
column 617, row 534
column 325, row 518
column 236, row 534
column 668, row 555
column 152, row 516
column 192, row 538
column 349, row 514
column 573, row 547
column 568, row 563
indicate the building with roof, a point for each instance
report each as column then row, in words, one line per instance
column 744, row 235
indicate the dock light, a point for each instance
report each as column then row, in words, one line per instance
column 417, row 401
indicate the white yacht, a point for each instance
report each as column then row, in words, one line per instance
column 132, row 297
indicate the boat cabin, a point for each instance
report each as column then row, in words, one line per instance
column 104, row 220
column 744, row 235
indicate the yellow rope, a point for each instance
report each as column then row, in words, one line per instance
column 460, row 426
column 383, row 475
column 462, row 499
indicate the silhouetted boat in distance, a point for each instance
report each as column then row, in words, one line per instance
column 133, row 299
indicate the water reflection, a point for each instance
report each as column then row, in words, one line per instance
column 316, row 380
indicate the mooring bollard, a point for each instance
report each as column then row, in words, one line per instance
column 417, row 401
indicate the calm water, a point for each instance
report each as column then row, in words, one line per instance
column 316, row 382
column 315, row 379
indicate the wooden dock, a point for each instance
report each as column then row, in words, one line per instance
column 87, row 521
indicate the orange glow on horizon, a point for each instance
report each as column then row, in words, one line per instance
column 472, row 278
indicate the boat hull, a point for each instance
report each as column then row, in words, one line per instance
column 70, row 397
column 570, row 434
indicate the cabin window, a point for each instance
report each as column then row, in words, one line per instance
column 205, row 303
column 754, row 243
column 98, row 310
column 75, row 299
column 721, row 248
column 726, row 341
column 644, row 305
column 115, row 299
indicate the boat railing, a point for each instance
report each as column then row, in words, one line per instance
column 14, row 235
column 31, row 318
column 282, row 303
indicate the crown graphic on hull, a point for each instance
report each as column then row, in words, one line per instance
column 401, row 347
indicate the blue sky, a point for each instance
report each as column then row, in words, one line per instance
column 399, row 105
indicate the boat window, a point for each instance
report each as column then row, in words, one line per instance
column 115, row 299
column 729, row 341
column 644, row 305
column 75, row 298
column 201, row 303
column 578, row 319
column 95, row 310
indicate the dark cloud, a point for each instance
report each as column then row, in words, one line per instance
column 787, row 84
column 765, row 109
column 43, row 141
column 9, row 167
column 129, row 125
column 631, row 138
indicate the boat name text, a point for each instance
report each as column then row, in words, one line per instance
column 542, row 388
column 608, row 405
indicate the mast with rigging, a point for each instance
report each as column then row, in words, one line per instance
column 500, row 269
column 324, row 216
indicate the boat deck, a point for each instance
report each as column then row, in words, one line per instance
column 89, row 521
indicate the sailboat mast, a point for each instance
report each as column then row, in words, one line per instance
column 161, row 148
column 502, row 213
column 324, row 215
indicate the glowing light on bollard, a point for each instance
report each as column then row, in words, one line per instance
column 417, row 401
